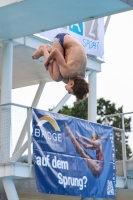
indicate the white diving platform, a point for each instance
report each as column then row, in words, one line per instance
column 19, row 18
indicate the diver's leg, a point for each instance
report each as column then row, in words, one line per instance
column 77, row 146
column 54, row 70
column 52, row 67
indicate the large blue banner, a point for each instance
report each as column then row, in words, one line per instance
column 72, row 156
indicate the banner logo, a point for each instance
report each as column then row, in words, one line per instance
column 49, row 119
column 76, row 28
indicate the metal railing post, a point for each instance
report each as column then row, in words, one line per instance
column 29, row 135
column 106, row 121
column 5, row 133
column 123, row 141
column 124, row 151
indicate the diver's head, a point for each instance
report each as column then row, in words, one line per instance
column 78, row 87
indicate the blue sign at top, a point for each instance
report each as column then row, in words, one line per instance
column 77, row 28
column 72, row 156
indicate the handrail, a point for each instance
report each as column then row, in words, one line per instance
column 117, row 114
column 123, row 140
column 14, row 104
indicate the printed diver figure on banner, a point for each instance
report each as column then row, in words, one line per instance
column 66, row 61
column 96, row 166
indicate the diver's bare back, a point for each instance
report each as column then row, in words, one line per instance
column 75, row 57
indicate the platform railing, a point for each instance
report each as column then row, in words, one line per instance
column 121, row 130
column 15, row 132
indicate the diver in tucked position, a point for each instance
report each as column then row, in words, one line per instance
column 66, row 61
column 96, row 166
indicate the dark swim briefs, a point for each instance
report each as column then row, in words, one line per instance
column 60, row 38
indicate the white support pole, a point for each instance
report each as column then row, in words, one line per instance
column 6, row 89
column 38, row 94
column 106, row 24
column 92, row 99
column 61, row 103
column 34, row 104
column 10, row 189
column 19, row 153
column 6, row 84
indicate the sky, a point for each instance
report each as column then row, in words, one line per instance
column 114, row 82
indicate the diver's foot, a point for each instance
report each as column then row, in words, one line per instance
column 39, row 52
